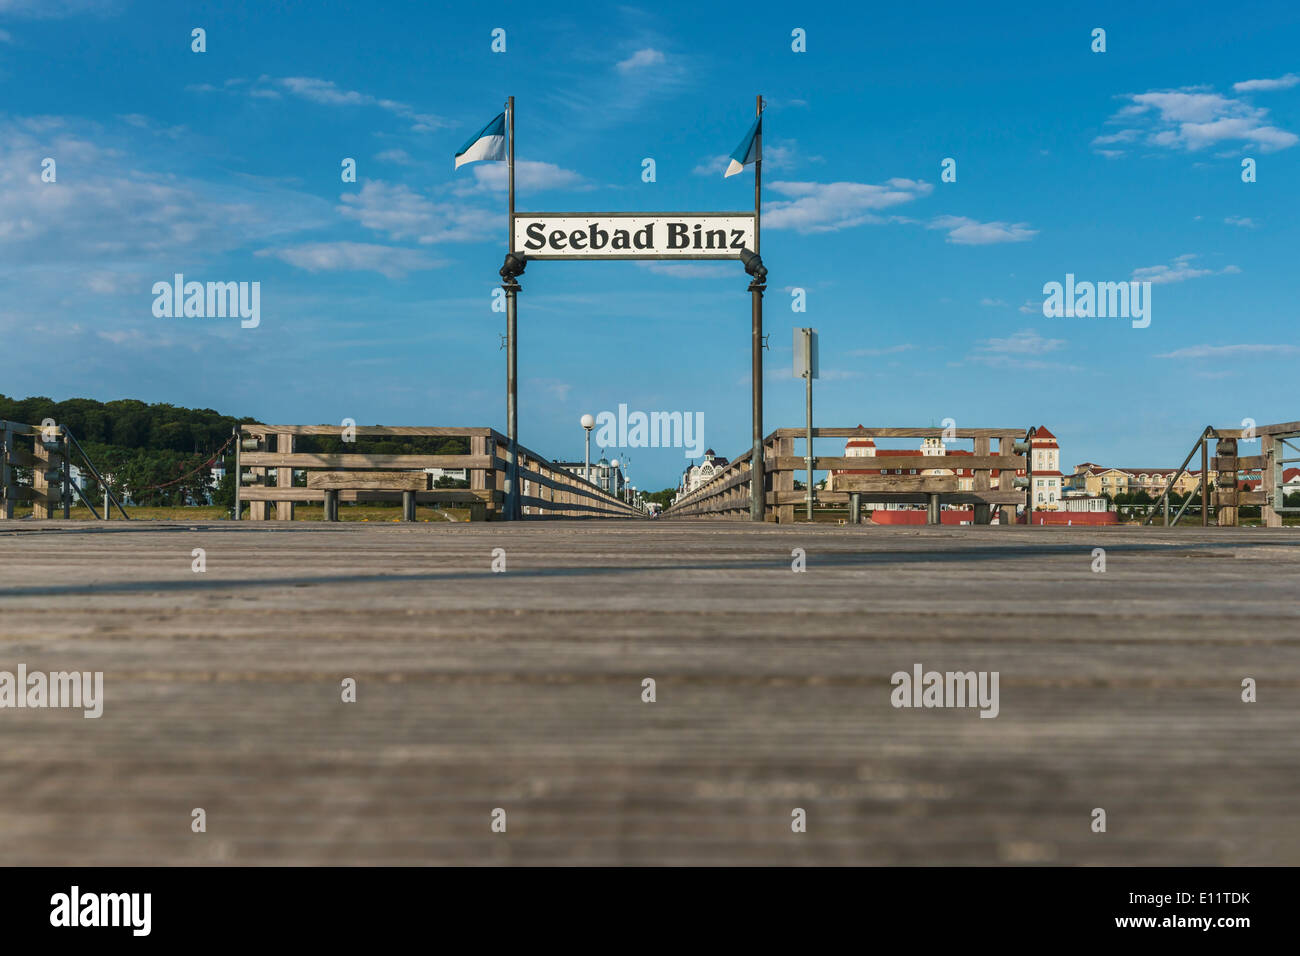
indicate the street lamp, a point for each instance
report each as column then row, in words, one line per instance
column 588, row 423
column 613, row 478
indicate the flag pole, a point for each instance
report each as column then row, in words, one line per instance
column 513, row 510
column 757, row 488
column 510, row 158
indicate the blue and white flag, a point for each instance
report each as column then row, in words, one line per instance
column 747, row 151
column 488, row 143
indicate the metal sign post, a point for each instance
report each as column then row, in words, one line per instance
column 634, row 235
column 805, row 367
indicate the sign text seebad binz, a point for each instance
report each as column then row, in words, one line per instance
column 633, row 235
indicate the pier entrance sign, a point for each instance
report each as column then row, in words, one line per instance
column 633, row 235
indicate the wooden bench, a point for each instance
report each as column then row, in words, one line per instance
column 332, row 482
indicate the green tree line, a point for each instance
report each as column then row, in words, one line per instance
column 138, row 446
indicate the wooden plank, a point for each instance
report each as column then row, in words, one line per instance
column 522, row 690
column 907, row 462
column 1280, row 429
column 1017, row 433
column 926, row 483
column 18, row 492
column 369, row 431
column 369, row 480
column 1242, row 463
column 262, row 494
column 262, row 459
column 904, row 497
column 21, row 458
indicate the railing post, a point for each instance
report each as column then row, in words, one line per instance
column 40, row 482
column 982, row 479
column 1225, row 466
column 66, row 485
column 783, row 481
column 239, row 478
column 1006, row 482
column 1270, row 481
column 284, row 444
column 7, row 485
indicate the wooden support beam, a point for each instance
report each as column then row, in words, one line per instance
column 262, row 459
column 908, row 462
column 7, row 483
column 284, row 477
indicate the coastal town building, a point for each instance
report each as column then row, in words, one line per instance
column 1048, row 488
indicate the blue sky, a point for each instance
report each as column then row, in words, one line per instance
column 376, row 295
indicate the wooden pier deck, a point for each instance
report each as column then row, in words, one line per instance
column 522, row 691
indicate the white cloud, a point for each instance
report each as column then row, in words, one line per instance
column 1243, row 221
column 713, row 166
column 963, row 231
column 529, row 175
column 401, row 213
column 1024, row 342
column 1180, row 270
column 641, row 59
column 690, row 270
column 991, row 302
column 1193, row 118
column 399, row 157
column 1281, row 83
column 1229, row 351
column 560, row 390
column 828, row 207
column 353, row 257
column 55, row 9
column 329, row 93
column 887, row 350
column 115, row 210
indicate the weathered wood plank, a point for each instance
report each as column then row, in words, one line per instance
column 522, row 690
column 263, row 459
column 927, row 432
column 369, row 480
column 919, row 462
column 918, row 483
column 368, row 431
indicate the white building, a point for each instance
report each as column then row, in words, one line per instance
column 696, row 475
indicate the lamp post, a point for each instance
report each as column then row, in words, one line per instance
column 754, row 266
column 510, row 272
column 588, row 423
column 613, row 478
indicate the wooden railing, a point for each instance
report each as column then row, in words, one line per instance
column 50, row 461
column 1226, row 465
column 727, row 494
column 546, row 490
